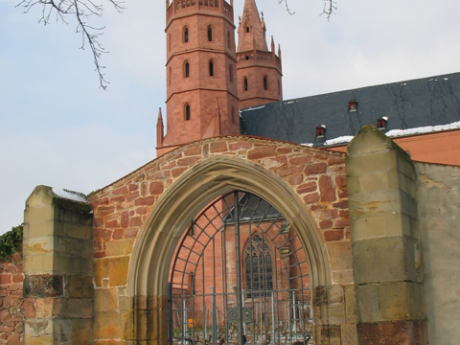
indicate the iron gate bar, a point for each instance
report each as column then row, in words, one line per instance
column 298, row 305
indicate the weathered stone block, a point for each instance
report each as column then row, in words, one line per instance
column 44, row 308
column 116, row 269
column 336, row 313
column 127, row 325
column 34, row 215
column 119, row 248
column 38, row 246
column 40, row 229
column 335, row 294
column 373, row 181
column 75, row 216
column 340, row 255
column 38, row 340
column 349, row 334
column 38, row 328
column 82, row 332
column 367, row 163
column 368, row 302
column 79, row 286
column 62, row 331
column 73, row 308
column 398, row 332
column 350, row 304
column 374, row 203
column 343, row 277
column 43, row 285
column 126, row 303
column 367, row 228
column 387, row 259
column 66, row 246
column 82, row 232
column 105, row 300
column 107, row 325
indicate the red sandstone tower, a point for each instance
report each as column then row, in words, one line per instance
column 202, row 98
column 259, row 70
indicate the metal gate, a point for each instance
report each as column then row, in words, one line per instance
column 239, row 276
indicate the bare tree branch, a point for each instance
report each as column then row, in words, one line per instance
column 81, row 10
column 329, row 8
column 287, row 6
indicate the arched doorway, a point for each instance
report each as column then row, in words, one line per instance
column 239, row 275
column 155, row 249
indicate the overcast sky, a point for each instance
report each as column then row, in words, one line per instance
column 59, row 129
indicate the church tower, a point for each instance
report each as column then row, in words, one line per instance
column 258, row 69
column 202, row 99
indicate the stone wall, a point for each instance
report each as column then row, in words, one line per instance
column 58, row 267
column 386, row 241
column 11, row 313
column 122, row 211
column 438, row 194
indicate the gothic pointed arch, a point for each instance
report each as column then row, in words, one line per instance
column 186, row 34
column 186, row 69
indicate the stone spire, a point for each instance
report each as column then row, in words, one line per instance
column 251, row 30
column 160, row 129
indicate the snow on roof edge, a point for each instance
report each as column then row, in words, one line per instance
column 394, row 133
column 70, row 195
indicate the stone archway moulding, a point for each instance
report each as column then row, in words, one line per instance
column 149, row 268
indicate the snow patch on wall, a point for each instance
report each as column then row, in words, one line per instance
column 67, row 194
column 253, row 108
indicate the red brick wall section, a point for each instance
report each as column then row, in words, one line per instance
column 318, row 177
column 11, row 313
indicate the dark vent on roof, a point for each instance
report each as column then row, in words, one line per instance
column 352, row 106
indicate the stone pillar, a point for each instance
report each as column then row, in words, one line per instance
column 385, row 241
column 58, row 268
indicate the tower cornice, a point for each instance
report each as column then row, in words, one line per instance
column 200, row 89
column 186, row 8
column 218, row 51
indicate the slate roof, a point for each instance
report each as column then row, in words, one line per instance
column 408, row 104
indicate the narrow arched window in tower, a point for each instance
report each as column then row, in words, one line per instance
column 228, row 39
column 230, row 72
column 245, row 84
column 247, row 28
column 186, row 69
column 186, row 35
column 211, row 68
column 265, row 83
column 209, row 33
column 187, row 112
column 259, row 271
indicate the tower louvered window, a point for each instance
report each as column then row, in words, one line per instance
column 211, row 68
column 186, row 35
column 187, row 112
column 259, row 271
column 265, row 83
column 187, row 70
column 209, row 33
column 245, row 84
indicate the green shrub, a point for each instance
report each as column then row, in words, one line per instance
column 10, row 242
